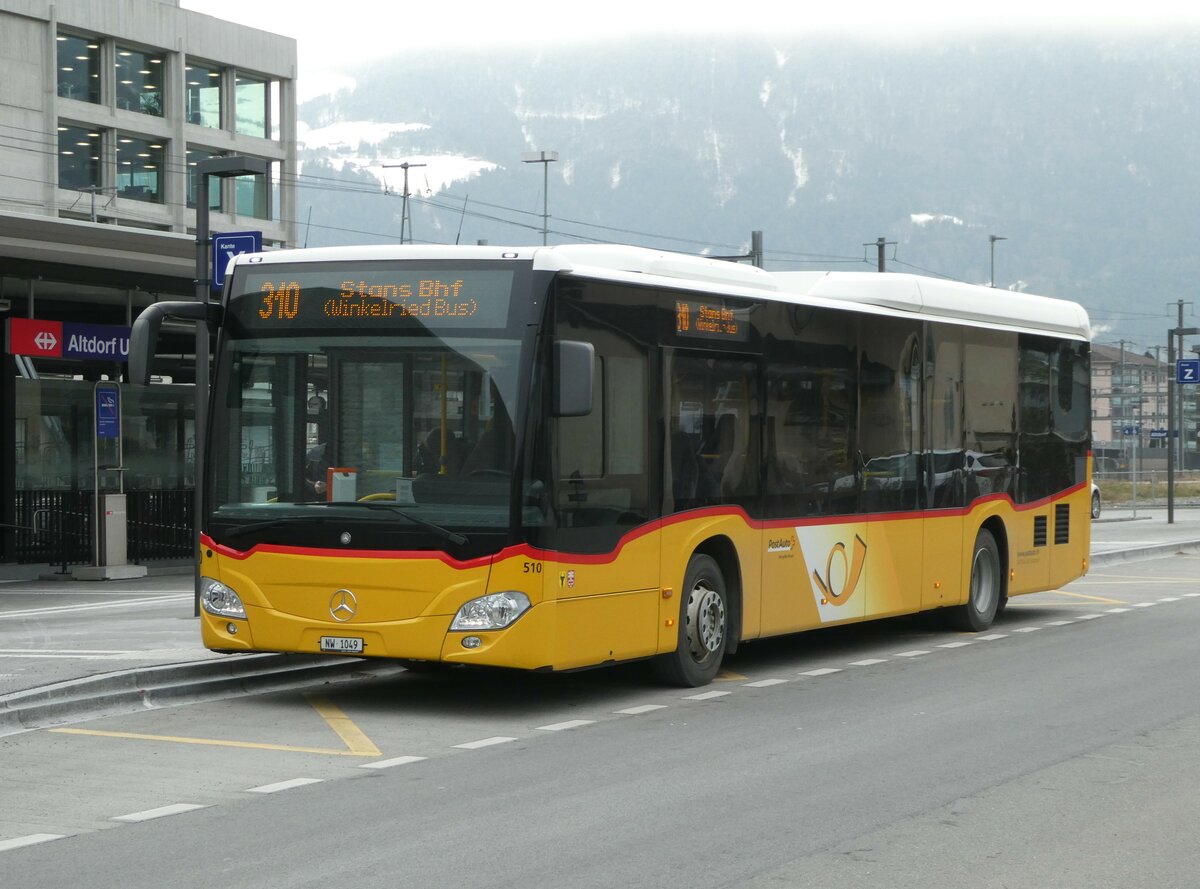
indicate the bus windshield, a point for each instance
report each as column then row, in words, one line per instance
column 398, row 432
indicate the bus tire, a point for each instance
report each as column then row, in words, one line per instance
column 987, row 587
column 703, row 627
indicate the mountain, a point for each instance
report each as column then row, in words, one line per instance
column 1078, row 150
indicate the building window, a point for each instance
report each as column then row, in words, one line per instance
column 78, row 157
column 139, row 168
column 203, row 94
column 140, row 81
column 195, row 154
column 79, row 68
column 252, row 105
column 254, row 195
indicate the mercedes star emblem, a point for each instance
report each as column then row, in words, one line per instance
column 343, row 605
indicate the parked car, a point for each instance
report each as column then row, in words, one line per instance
column 1095, row 500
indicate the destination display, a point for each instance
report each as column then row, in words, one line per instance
column 282, row 297
column 712, row 320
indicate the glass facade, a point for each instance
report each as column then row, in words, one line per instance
column 79, row 68
column 203, row 94
column 140, row 168
column 195, row 154
column 54, row 433
column 139, row 81
column 253, row 196
column 78, row 156
column 253, row 102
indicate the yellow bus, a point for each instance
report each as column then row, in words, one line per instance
column 560, row 457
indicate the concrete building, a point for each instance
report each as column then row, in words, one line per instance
column 105, row 109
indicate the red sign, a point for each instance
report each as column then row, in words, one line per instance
column 41, row 339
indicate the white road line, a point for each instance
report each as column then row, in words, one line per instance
column 1118, row 610
column 1192, row 595
column 706, row 696
column 1026, row 629
column 485, row 742
column 94, row 606
column 1144, row 604
column 389, row 763
column 955, row 644
column 1058, row 623
column 764, row 683
column 821, row 671
column 1089, row 616
column 992, row 637
column 1169, row 599
column 91, row 655
column 915, row 653
column 285, row 785
column 161, row 812
column 869, row 662
column 563, row 726
column 638, row 711
column 32, row 840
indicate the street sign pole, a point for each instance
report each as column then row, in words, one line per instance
column 1186, row 372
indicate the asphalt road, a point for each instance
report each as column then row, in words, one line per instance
column 1060, row 749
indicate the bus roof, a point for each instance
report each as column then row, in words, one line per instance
column 888, row 293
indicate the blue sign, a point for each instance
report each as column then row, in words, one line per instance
column 1187, row 370
column 1132, row 430
column 95, row 342
column 108, row 412
column 225, row 247
column 1158, row 433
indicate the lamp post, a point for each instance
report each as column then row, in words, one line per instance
column 545, row 158
column 992, row 239
column 222, row 168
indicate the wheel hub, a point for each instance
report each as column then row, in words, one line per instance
column 706, row 622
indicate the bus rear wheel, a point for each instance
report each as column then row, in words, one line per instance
column 987, row 588
column 703, row 627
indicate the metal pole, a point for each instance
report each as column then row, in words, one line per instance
column 992, row 239
column 201, row 385
column 545, row 202
column 1171, row 387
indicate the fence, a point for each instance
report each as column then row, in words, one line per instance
column 56, row 526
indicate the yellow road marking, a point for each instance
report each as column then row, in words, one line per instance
column 357, row 743
column 210, row 742
column 1101, row 599
column 351, row 735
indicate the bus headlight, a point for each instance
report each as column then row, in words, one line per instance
column 220, row 600
column 494, row 611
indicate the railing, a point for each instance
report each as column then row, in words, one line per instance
column 159, row 525
column 56, row 526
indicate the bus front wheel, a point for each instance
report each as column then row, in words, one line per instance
column 987, row 587
column 703, row 627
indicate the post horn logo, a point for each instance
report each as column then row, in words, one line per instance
column 851, row 571
column 343, row 605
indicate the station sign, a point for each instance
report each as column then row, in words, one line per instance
column 66, row 339
column 1158, row 433
column 226, row 246
column 1187, row 370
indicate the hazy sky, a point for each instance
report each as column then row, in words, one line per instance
column 348, row 32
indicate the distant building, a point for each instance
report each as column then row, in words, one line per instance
column 1130, row 410
column 105, row 109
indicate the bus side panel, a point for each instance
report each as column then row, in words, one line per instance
column 815, row 575
column 941, row 577
column 606, row 607
column 895, row 558
column 1068, row 560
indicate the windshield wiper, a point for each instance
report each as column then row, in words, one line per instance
column 445, row 533
column 269, row 523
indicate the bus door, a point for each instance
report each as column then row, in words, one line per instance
column 890, row 447
column 603, row 564
column 944, row 467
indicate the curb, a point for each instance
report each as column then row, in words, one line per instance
column 1137, row 554
column 148, row 688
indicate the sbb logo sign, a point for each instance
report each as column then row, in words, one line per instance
column 64, row 339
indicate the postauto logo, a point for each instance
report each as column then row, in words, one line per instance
column 66, row 339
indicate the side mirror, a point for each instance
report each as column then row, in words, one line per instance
column 143, row 338
column 574, row 371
